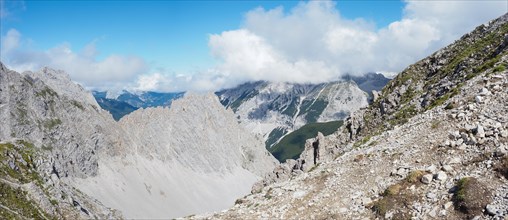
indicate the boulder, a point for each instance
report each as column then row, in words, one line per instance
column 427, row 178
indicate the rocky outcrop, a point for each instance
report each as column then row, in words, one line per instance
column 48, row 110
column 47, row 136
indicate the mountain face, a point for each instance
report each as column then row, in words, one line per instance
column 127, row 102
column 433, row 145
column 190, row 158
column 51, row 130
column 272, row 110
column 62, row 156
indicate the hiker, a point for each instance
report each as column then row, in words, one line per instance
column 315, row 145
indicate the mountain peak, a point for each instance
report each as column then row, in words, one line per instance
column 62, row 84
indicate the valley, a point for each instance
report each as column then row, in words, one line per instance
column 284, row 118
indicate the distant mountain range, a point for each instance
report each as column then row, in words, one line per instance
column 271, row 110
column 128, row 102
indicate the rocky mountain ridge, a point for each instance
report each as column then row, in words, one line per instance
column 432, row 145
column 47, row 135
column 190, row 158
column 72, row 160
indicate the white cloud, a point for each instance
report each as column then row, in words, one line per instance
column 10, row 41
column 83, row 66
column 246, row 53
column 313, row 43
column 150, row 82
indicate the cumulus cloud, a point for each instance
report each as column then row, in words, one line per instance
column 10, row 41
column 246, row 53
column 312, row 42
column 83, row 66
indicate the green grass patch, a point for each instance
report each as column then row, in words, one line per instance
column 17, row 166
column 292, row 145
column 403, row 115
column 77, row 104
column 361, row 142
column 435, row 124
column 52, row 123
column 490, row 63
column 274, row 136
column 500, row 68
column 18, row 203
column 46, row 93
column 441, row 100
column 466, row 50
column 21, row 156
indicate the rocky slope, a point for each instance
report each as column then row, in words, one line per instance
column 190, row 158
column 60, row 152
column 433, row 145
column 51, row 129
column 274, row 109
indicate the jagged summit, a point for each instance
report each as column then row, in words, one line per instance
column 50, row 136
column 197, row 114
column 61, row 83
column 189, row 158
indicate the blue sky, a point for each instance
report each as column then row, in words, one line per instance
column 173, row 34
column 180, row 45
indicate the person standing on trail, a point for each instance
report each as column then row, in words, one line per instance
column 315, row 145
